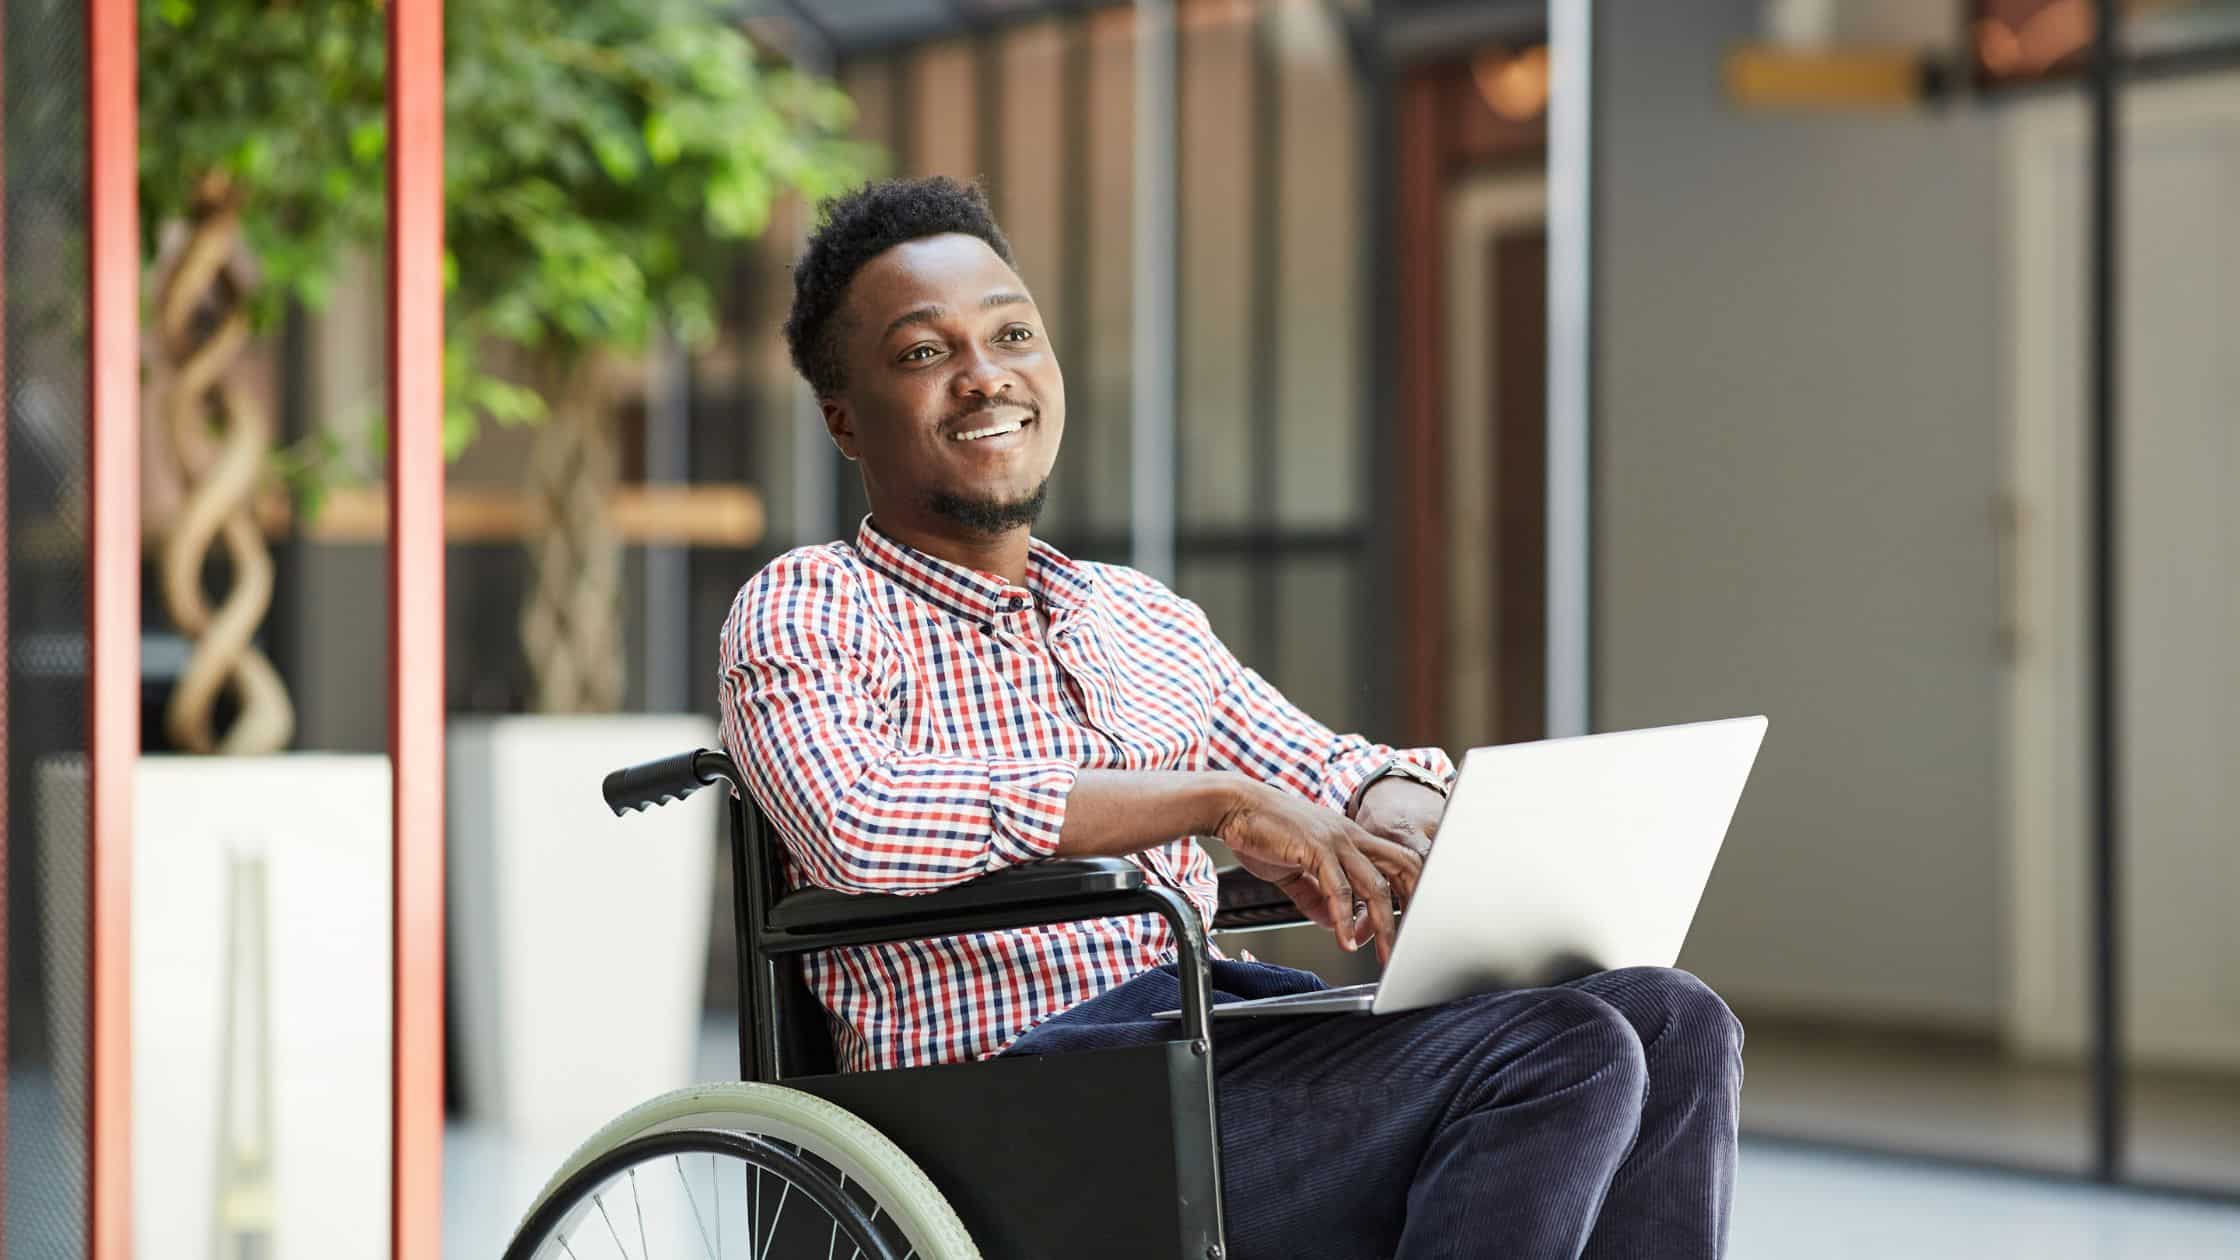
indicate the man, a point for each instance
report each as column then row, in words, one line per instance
column 945, row 696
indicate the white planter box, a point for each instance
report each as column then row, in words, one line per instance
column 578, row 940
column 318, row 1066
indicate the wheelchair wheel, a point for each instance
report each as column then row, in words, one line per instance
column 740, row 1170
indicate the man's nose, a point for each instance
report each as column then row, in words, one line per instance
column 980, row 375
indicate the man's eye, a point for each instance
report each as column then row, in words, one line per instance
column 918, row 354
column 1023, row 332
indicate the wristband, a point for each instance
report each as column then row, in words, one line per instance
column 1395, row 768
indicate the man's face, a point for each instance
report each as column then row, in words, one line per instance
column 954, row 404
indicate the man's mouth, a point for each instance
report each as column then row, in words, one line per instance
column 991, row 428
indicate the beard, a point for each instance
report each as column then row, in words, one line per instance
column 992, row 516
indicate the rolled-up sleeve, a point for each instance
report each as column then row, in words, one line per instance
column 806, row 676
column 1259, row 732
column 1256, row 731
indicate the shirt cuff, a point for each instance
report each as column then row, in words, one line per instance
column 1027, row 808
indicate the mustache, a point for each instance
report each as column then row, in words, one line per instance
column 962, row 414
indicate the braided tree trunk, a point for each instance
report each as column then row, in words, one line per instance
column 222, row 438
column 571, row 624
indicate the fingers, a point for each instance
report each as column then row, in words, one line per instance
column 1337, row 895
column 1372, row 908
column 1307, row 896
column 1401, row 865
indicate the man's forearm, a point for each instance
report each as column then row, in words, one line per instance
column 1112, row 813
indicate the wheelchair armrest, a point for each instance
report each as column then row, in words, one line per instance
column 1031, row 894
column 1048, row 882
column 1249, row 902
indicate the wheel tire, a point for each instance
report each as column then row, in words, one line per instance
column 832, row 1133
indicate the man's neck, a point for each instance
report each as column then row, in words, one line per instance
column 1004, row 555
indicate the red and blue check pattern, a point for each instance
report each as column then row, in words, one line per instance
column 909, row 724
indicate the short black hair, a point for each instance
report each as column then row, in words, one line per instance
column 856, row 227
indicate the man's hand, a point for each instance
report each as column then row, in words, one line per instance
column 1338, row 874
column 1403, row 811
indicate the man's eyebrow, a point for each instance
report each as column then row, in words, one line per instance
column 932, row 311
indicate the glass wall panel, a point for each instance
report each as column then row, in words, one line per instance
column 1319, row 318
column 42, row 699
column 1810, row 353
column 1098, row 392
column 2178, row 619
column 1222, row 586
column 1213, row 421
column 943, row 134
column 1318, row 610
column 1042, row 170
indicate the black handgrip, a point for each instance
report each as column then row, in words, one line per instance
column 666, row 779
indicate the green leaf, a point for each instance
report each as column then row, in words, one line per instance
column 661, row 139
column 369, row 140
column 603, row 158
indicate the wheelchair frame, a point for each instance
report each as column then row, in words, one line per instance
column 1123, row 1158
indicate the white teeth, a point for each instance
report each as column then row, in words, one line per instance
column 993, row 431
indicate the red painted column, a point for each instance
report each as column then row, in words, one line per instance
column 416, row 621
column 113, row 615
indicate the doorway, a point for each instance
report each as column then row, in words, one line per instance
column 1469, row 492
column 1497, row 351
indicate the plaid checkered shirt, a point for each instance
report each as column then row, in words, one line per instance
column 909, row 724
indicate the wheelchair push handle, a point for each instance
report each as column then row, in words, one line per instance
column 665, row 779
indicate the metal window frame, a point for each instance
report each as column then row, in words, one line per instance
column 2104, row 704
column 4, row 667
column 1570, row 564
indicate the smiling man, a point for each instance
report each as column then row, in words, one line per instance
column 945, row 695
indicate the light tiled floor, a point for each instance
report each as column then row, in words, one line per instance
column 1791, row 1203
column 1971, row 1102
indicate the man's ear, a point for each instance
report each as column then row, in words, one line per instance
column 841, row 424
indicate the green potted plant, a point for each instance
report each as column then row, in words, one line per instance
column 602, row 160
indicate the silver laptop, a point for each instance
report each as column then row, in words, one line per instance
column 1555, row 860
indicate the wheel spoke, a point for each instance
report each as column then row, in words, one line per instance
column 785, row 1187
column 612, row 1232
column 644, row 1252
column 694, row 1200
column 847, row 1206
column 715, row 1203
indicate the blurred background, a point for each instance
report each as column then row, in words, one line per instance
column 1487, row 372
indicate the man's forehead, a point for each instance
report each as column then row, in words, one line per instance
column 953, row 271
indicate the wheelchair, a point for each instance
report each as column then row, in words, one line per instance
column 1107, row 1153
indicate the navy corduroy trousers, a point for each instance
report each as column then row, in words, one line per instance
column 1595, row 1119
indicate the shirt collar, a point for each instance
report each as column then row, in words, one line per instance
column 1053, row 578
